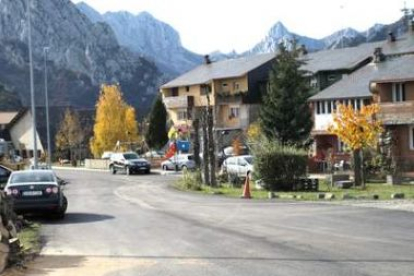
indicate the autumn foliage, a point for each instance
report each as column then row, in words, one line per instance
column 356, row 128
column 115, row 121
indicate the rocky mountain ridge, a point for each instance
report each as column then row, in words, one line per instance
column 82, row 56
column 148, row 36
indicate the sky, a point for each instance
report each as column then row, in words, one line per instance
column 225, row 25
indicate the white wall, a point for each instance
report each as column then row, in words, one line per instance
column 322, row 121
column 22, row 133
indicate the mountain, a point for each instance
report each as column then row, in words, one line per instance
column 280, row 34
column 82, row 56
column 149, row 37
column 344, row 38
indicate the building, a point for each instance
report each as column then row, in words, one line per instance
column 17, row 129
column 232, row 87
column 386, row 75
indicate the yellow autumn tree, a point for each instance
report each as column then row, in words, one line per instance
column 114, row 121
column 254, row 132
column 358, row 129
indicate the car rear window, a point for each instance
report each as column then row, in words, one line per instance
column 129, row 156
column 190, row 157
column 32, row 177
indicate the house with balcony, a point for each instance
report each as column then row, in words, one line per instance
column 232, row 87
column 392, row 88
column 384, row 80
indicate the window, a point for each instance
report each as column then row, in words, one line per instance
column 333, row 105
column 398, row 92
column 329, row 107
column 323, row 107
column 187, row 88
column 182, row 115
column 331, row 78
column 341, row 146
column 224, row 84
column 234, row 112
column 358, row 104
column 174, row 92
column 318, row 108
column 205, row 89
column 236, row 86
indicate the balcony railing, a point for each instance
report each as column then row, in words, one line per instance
column 397, row 113
column 179, row 102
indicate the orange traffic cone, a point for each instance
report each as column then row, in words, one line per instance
column 246, row 190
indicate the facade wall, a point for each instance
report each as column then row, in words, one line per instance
column 22, row 134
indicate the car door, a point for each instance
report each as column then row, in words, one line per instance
column 241, row 167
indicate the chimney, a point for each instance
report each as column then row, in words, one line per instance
column 391, row 37
column 378, row 55
column 207, row 59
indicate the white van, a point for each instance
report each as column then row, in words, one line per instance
column 238, row 165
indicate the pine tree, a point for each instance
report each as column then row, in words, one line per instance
column 285, row 114
column 157, row 136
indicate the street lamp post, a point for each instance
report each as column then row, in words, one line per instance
column 32, row 97
column 49, row 149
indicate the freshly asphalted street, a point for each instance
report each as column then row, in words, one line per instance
column 138, row 225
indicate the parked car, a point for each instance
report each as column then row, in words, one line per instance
column 238, row 165
column 229, row 152
column 154, row 154
column 129, row 162
column 4, row 175
column 106, row 155
column 34, row 191
column 182, row 161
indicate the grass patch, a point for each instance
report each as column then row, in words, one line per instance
column 29, row 238
column 384, row 191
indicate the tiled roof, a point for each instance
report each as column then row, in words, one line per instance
column 7, row 117
column 356, row 85
column 220, row 70
column 349, row 58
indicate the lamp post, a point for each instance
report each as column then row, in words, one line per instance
column 49, row 150
column 32, row 83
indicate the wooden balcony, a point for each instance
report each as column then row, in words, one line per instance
column 179, row 102
column 400, row 113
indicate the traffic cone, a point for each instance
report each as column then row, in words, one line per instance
column 246, row 190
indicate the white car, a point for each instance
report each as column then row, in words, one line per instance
column 238, row 165
column 153, row 154
column 182, row 161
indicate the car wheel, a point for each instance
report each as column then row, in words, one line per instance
column 112, row 169
column 184, row 167
column 62, row 211
column 165, row 168
column 128, row 171
column 148, row 171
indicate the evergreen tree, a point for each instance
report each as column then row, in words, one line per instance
column 285, row 114
column 157, row 135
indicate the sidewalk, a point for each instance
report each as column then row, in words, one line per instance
column 153, row 171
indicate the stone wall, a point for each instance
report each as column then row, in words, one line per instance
column 102, row 164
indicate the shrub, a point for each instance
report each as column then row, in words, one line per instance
column 279, row 166
column 191, row 180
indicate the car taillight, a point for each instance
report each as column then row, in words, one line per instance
column 13, row 192
column 50, row 190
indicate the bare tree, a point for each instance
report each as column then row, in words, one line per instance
column 211, row 144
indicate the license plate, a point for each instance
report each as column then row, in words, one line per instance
column 32, row 193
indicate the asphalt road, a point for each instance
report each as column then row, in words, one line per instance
column 135, row 225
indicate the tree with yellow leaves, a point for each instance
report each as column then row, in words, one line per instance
column 115, row 121
column 254, row 132
column 358, row 129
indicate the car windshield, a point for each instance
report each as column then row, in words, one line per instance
column 32, row 177
column 249, row 160
column 129, row 156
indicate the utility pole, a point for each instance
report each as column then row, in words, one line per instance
column 32, row 97
column 49, row 149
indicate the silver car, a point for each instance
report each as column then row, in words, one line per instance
column 180, row 161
